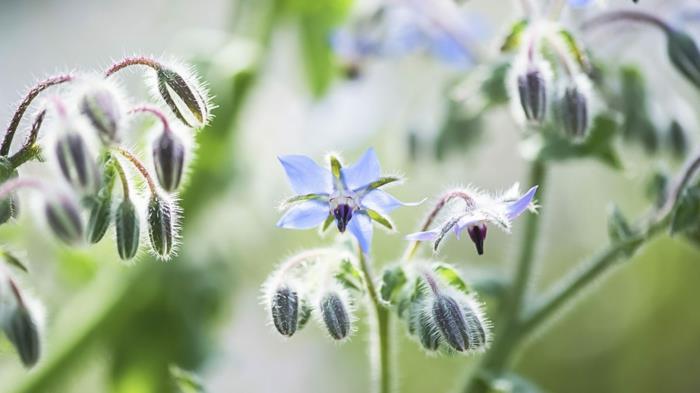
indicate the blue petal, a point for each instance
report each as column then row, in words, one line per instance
column 361, row 227
column 580, row 3
column 383, row 202
column 305, row 176
column 304, row 215
column 365, row 171
column 514, row 209
column 465, row 221
column 424, row 236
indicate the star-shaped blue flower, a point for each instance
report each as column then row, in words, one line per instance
column 350, row 196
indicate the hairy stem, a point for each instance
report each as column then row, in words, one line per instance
column 380, row 341
column 24, row 105
column 507, row 335
column 130, row 61
column 30, row 149
column 15, row 183
column 632, row 16
column 155, row 112
column 122, row 177
column 140, row 167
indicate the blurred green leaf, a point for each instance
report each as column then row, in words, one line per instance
column 12, row 260
column 380, row 219
column 637, row 125
column 460, row 130
column 514, row 37
column 575, row 49
column 393, row 280
column 451, row 276
column 620, row 232
column 684, row 55
column 686, row 214
column 186, row 381
column 494, row 88
column 350, row 276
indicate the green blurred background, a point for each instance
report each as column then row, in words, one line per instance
column 112, row 327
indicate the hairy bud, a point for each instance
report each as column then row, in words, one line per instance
column 23, row 333
column 285, row 310
column 103, row 110
column 427, row 332
column 532, row 89
column 100, row 217
column 169, row 159
column 335, row 315
column 75, row 162
column 184, row 96
column 63, row 217
column 160, row 226
column 128, row 233
column 449, row 318
column 574, row 112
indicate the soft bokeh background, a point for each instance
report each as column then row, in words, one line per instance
column 115, row 328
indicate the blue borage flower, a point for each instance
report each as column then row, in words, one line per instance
column 480, row 208
column 350, row 196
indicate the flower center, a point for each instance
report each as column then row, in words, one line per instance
column 477, row 232
column 342, row 206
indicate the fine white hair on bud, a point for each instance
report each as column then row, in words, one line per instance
column 163, row 225
column 528, row 85
column 103, row 104
column 574, row 107
column 21, row 320
column 336, row 313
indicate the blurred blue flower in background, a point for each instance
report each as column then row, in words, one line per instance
column 349, row 196
column 440, row 29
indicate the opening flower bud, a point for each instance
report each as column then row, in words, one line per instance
column 169, row 158
column 477, row 233
column 103, row 110
column 285, row 310
column 64, row 220
column 128, row 229
column 450, row 321
column 574, row 112
column 75, row 162
column 184, row 96
column 160, row 226
column 23, row 333
column 532, row 89
column 335, row 315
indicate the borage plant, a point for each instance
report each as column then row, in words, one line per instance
column 90, row 125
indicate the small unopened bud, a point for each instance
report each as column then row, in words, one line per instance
column 574, row 112
column 23, row 333
column 335, row 315
column 477, row 233
column 169, row 159
column 103, row 110
column 100, row 217
column 449, row 319
column 160, row 226
column 75, row 162
column 426, row 331
column 477, row 329
column 184, row 96
column 128, row 229
column 64, row 220
column 532, row 89
column 684, row 54
column 285, row 310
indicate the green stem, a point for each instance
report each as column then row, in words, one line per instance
column 380, row 341
column 507, row 335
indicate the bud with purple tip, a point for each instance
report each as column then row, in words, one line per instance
column 450, row 321
column 532, row 89
column 168, row 158
column 64, row 219
column 102, row 108
column 75, row 162
column 574, row 111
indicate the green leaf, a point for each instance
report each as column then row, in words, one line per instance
column 349, row 276
column 494, row 88
column 575, row 49
column 186, row 381
column 12, row 260
column 621, row 233
column 514, row 37
column 599, row 144
column 393, row 280
column 376, row 216
column 451, row 277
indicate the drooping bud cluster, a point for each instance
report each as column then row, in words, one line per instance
column 19, row 320
column 439, row 309
column 316, row 282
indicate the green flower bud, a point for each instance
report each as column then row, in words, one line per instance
column 532, row 89
column 336, row 315
column 449, row 318
column 169, row 159
column 100, row 217
column 63, row 217
column 285, row 310
column 574, row 112
column 684, row 55
column 160, row 226
column 74, row 160
column 103, row 110
column 184, row 95
column 23, row 333
column 128, row 233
